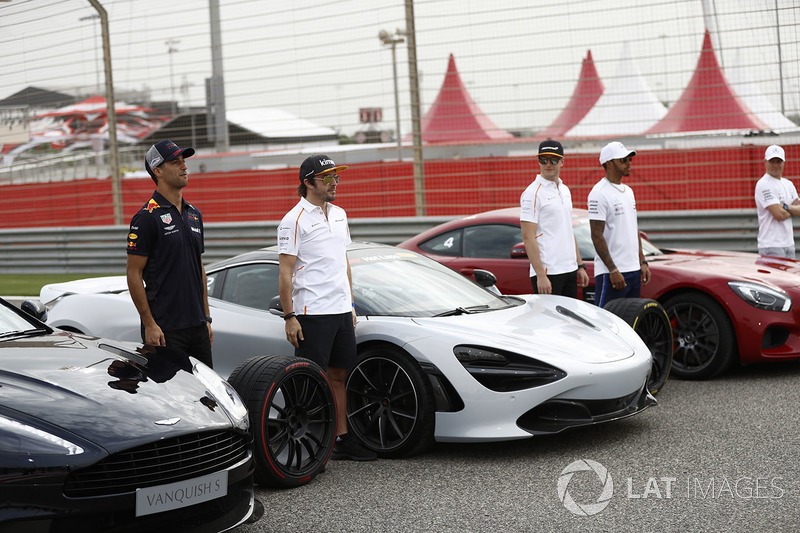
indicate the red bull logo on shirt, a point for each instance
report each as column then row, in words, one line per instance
column 152, row 204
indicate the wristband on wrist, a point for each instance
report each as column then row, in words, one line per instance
column 582, row 266
column 287, row 316
column 645, row 263
column 208, row 319
column 612, row 271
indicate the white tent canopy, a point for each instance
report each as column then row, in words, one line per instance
column 626, row 107
column 277, row 123
column 750, row 93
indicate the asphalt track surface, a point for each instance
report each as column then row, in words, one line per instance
column 717, row 455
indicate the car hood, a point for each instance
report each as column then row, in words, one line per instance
column 544, row 327
column 88, row 387
column 52, row 291
column 735, row 265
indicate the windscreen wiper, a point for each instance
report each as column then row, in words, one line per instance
column 464, row 310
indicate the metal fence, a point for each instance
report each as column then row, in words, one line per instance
column 101, row 249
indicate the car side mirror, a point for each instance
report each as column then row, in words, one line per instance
column 518, row 251
column 484, row 278
column 35, row 308
column 275, row 306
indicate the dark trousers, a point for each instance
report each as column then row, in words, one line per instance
column 194, row 341
column 604, row 292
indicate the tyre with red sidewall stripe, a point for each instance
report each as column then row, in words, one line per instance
column 292, row 417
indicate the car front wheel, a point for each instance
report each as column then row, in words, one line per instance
column 705, row 343
column 649, row 319
column 390, row 404
column 292, row 417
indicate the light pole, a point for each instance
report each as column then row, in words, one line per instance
column 171, row 50
column 96, row 61
column 393, row 40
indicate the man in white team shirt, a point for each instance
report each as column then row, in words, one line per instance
column 315, row 286
column 620, row 268
column 776, row 203
column 546, row 220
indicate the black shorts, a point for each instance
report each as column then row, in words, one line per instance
column 193, row 341
column 565, row 284
column 328, row 340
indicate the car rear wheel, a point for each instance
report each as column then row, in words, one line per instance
column 390, row 404
column 292, row 417
column 649, row 319
column 705, row 343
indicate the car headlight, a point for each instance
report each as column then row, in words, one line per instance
column 761, row 296
column 17, row 437
column 224, row 393
column 504, row 371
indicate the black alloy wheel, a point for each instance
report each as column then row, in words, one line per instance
column 390, row 404
column 292, row 417
column 705, row 342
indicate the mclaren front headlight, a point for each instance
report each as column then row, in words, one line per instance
column 761, row 296
column 224, row 393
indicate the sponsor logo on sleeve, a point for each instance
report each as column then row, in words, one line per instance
column 152, row 204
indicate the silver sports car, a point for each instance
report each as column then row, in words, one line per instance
column 440, row 357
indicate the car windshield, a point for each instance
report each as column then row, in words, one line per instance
column 583, row 234
column 12, row 324
column 391, row 282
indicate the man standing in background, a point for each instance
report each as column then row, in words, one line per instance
column 546, row 220
column 620, row 268
column 776, row 204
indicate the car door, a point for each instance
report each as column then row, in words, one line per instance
column 483, row 246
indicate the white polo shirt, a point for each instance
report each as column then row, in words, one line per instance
column 548, row 204
column 774, row 233
column 319, row 282
column 616, row 206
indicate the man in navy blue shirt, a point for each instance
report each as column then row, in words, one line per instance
column 165, row 272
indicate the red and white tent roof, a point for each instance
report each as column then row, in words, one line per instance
column 92, row 108
column 587, row 91
column 626, row 107
column 708, row 103
column 454, row 115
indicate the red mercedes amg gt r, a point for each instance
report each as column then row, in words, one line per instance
column 725, row 307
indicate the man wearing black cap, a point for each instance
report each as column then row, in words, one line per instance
column 316, row 287
column 165, row 272
column 546, row 220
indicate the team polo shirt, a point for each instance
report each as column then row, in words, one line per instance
column 319, row 282
column 616, row 206
column 773, row 233
column 173, row 244
column 548, row 204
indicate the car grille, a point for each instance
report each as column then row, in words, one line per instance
column 158, row 463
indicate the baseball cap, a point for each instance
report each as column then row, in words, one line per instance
column 161, row 152
column 614, row 150
column 551, row 147
column 318, row 164
column 775, row 151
